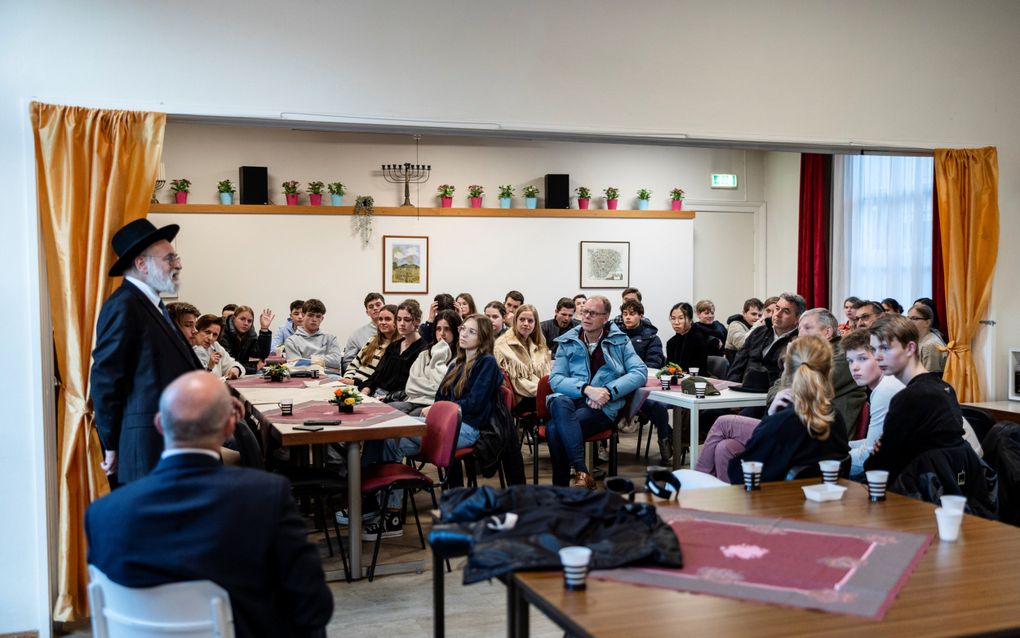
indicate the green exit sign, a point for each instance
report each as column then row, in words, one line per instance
column 724, row 180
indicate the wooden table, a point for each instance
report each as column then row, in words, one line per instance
column 1001, row 410
column 726, row 399
column 400, row 425
column 966, row 587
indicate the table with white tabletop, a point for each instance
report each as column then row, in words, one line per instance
column 726, row 398
column 400, row 425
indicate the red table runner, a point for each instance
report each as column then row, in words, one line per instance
column 364, row 415
column 258, row 381
column 834, row 568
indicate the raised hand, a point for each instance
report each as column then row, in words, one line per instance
column 266, row 318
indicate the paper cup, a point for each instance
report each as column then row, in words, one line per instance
column 752, row 475
column 286, row 407
column 949, row 523
column 954, row 503
column 694, row 371
column 830, row 471
column 665, row 381
column 699, row 389
column 575, row 561
column 876, row 484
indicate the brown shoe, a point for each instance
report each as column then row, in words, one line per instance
column 585, row 480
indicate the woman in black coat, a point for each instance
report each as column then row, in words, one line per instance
column 242, row 342
column 688, row 347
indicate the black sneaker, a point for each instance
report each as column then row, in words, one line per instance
column 666, row 451
column 343, row 517
column 389, row 526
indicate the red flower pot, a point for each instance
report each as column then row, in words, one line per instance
column 611, row 203
column 447, row 202
column 677, row 203
column 181, row 197
column 291, row 199
column 315, row 199
column 582, row 203
column 476, row 202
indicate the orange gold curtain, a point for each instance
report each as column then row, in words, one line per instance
column 95, row 171
column 967, row 182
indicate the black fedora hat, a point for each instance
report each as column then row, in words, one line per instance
column 756, row 379
column 132, row 239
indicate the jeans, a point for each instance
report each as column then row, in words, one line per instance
column 726, row 440
column 659, row 416
column 572, row 422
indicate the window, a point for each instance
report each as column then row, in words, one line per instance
column 882, row 228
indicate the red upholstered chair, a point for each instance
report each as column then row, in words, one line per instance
column 863, row 420
column 438, row 444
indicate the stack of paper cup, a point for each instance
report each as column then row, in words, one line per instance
column 752, row 475
column 665, row 380
column 876, row 484
column 575, row 562
column 286, row 407
column 830, row 471
column 694, row 371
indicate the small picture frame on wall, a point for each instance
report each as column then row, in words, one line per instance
column 605, row 264
column 405, row 264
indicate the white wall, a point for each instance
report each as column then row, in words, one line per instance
column 934, row 73
column 782, row 193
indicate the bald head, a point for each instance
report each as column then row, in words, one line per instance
column 195, row 411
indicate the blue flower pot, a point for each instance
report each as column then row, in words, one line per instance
column 504, row 202
column 642, row 204
column 336, row 200
column 226, row 198
column 531, row 202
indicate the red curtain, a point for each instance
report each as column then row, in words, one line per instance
column 813, row 230
column 938, row 271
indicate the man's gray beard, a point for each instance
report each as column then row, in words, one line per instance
column 159, row 280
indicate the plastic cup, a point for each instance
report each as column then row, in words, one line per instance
column 694, row 371
column 575, row 561
column 752, row 475
column 830, row 471
column 876, row 484
column 665, row 381
column 954, row 503
column 949, row 523
column 286, row 407
column 699, row 389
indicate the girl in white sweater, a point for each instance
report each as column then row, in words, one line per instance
column 430, row 367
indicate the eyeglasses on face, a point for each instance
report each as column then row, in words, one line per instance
column 592, row 313
column 170, row 258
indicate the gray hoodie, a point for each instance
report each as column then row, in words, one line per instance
column 302, row 345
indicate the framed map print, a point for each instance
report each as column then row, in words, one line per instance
column 605, row 264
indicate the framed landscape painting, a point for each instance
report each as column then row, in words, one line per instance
column 605, row 264
column 405, row 264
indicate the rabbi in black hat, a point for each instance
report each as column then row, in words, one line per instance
column 139, row 350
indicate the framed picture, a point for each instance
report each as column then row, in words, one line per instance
column 605, row 264
column 405, row 264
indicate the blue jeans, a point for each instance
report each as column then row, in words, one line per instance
column 572, row 422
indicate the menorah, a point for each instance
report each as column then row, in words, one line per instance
column 408, row 174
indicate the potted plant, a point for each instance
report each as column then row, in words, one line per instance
column 531, row 196
column 336, row 193
column 643, row 195
column 346, row 398
column 290, row 189
column 226, row 190
column 506, row 195
column 583, row 197
column 361, row 220
column 276, row 372
column 676, row 197
column 669, row 370
column 612, row 197
column 181, row 187
column 475, row 193
column 315, row 193
column 446, row 194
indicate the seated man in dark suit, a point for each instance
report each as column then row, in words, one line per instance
column 193, row 518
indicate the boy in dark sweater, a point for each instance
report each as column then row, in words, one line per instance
column 925, row 415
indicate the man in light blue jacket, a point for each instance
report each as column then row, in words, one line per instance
column 596, row 368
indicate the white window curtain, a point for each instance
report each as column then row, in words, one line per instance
column 882, row 221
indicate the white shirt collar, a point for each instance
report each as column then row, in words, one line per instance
column 146, row 289
column 189, row 450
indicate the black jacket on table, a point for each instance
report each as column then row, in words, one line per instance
column 923, row 416
column 195, row 519
column 394, row 366
column 646, row 344
column 138, row 353
column 688, row 350
column 754, row 352
column 253, row 345
column 781, row 442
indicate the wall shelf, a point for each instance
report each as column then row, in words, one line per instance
column 398, row 211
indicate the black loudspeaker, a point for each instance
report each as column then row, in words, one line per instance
column 253, row 183
column 557, row 191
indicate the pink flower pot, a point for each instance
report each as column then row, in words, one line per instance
column 582, row 203
column 677, row 203
column 291, row 199
column 181, row 197
column 611, row 203
column 476, row 202
column 315, row 200
column 447, row 202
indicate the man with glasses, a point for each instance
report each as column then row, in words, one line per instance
column 139, row 350
column 596, row 368
column 866, row 312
